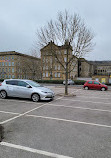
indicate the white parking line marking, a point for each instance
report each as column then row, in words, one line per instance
column 86, row 101
column 18, row 101
column 71, row 121
column 41, row 152
column 92, row 97
column 13, row 118
column 13, row 113
column 74, row 107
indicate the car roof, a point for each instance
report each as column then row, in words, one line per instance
column 17, row 80
column 91, row 80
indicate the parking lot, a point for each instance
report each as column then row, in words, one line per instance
column 75, row 126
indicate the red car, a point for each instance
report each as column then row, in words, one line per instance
column 94, row 85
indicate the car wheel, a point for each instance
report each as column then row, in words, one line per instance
column 3, row 94
column 103, row 89
column 35, row 97
column 86, row 88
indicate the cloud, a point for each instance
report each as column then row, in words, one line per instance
column 20, row 19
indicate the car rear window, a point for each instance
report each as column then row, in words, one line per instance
column 12, row 82
column 90, row 82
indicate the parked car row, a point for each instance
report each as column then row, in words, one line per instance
column 91, row 84
column 32, row 90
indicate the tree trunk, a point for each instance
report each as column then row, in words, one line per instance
column 66, row 82
column 66, row 74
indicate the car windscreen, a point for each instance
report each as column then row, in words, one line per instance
column 34, row 84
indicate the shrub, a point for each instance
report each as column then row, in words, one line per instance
column 79, row 82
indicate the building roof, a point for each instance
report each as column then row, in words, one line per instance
column 53, row 44
column 17, row 53
column 104, row 62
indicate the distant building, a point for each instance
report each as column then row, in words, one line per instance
column 51, row 68
column 18, row 65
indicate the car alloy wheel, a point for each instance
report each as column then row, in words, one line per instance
column 86, row 88
column 35, row 97
column 103, row 89
column 3, row 94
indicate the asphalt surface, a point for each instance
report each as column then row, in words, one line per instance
column 75, row 126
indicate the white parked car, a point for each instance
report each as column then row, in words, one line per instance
column 25, row 89
column 70, row 82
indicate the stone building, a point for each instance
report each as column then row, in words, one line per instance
column 51, row 68
column 17, row 65
column 86, row 68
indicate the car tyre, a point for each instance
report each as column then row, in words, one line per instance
column 3, row 94
column 86, row 88
column 103, row 89
column 35, row 97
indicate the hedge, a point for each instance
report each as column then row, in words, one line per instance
column 77, row 82
column 50, row 81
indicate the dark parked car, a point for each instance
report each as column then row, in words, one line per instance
column 94, row 85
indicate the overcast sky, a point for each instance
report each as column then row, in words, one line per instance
column 19, row 20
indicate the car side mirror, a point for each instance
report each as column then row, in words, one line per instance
column 28, row 86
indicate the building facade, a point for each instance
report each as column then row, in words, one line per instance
column 52, row 69
column 17, row 65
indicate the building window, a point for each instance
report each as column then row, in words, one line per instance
column 9, row 64
column 2, row 63
column 9, row 69
column 55, row 74
column 58, row 74
column 6, row 64
column 12, row 70
column 9, row 76
column 6, row 76
column 43, row 74
column 3, row 76
column 12, row 63
column 3, row 70
column 13, row 76
column 46, row 74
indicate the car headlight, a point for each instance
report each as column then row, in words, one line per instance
column 43, row 92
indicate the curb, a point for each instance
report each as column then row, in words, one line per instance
column 62, row 94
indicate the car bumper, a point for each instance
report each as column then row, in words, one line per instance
column 47, row 97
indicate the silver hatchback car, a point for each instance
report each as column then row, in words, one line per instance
column 25, row 89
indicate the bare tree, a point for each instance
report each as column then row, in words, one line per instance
column 71, row 32
column 29, row 67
